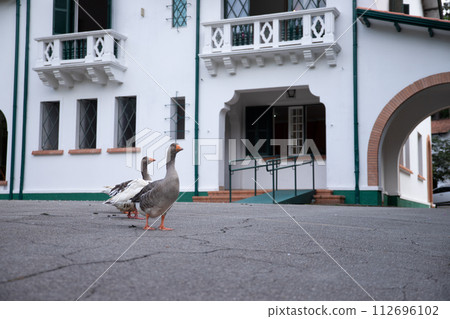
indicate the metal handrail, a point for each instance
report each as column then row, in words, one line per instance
column 255, row 168
column 272, row 165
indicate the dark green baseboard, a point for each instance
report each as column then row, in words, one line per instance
column 369, row 198
column 185, row 197
column 400, row 202
column 60, row 196
column 375, row 198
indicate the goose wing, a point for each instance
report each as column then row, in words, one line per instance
column 126, row 191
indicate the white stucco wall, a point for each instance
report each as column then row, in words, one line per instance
column 160, row 61
column 388, row 62
column 331, row 84
column 161, row 64
column 415, row 6
column 7, row 57
column 411, row 186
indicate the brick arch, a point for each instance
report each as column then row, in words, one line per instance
column 385, row 115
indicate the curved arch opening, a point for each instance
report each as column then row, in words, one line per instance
column 395, row 123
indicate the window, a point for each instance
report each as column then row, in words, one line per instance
column 296, row 129
column 87, row 129
column 83, row 15
column 126, row 120
column 420, row 153
column 237, row 8
column 306, row 4
column 245, row 8
column 396, row 5
column 262, row 129
column 179, row 13
column 49, row 125
column 178, row 118
column 286, row 122
column 404, row 155
column 406, row 8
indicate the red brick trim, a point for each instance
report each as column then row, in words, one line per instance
column 48, row 152
column 421, row 178
column 405, row 170
column 123, row 150
column 385, row 115
column 85, row 151
column 3, row 183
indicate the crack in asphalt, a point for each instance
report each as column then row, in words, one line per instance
column 75, row 264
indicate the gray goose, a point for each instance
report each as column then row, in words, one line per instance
column 121, row 194
column 157, row 198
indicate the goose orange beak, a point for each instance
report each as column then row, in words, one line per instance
column 150, row 160
column 178, row 148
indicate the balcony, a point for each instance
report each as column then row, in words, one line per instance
column 280, row 37
column 96, row 56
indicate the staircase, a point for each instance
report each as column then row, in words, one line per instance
column 223, row 196
column 326, row 197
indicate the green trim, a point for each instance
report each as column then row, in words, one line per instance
column 401, row 202
column 5, row 196
column 14, row 115
column 355, row 105
column 60, row 196
column 404, row 19
column 369, row 198
column 197, row 90
column 185, row 197
column 25, row 100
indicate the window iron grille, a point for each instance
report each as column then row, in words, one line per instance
column 49, row 126
column 306, row 4
column 87, row 136
column 179, row 13
column 237, row 8
column 126, row 120
column 177, row 118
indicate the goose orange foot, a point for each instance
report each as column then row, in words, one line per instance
column 148, row 228
column 164, row 228
column 134, row 215
column 161, row 227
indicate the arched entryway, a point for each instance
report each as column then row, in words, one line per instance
column 3, row 146
column 394, row 124
column 268, row 118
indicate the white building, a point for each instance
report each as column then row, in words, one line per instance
column 209, row 74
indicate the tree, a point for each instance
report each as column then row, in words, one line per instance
column 441, row 159
column 446, row 9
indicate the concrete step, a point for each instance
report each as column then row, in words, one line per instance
column 222, row 196
column 326, row 197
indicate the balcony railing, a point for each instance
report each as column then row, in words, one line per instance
column 306, row 33
column 68, row 58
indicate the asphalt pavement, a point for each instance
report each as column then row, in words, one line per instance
column 89, row 251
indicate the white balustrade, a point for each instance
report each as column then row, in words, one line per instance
column 94, row 55
column 306, row 32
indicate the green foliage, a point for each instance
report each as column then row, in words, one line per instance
column 441, row 159
column 446, row 9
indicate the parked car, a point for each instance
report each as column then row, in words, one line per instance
column 441, row 195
